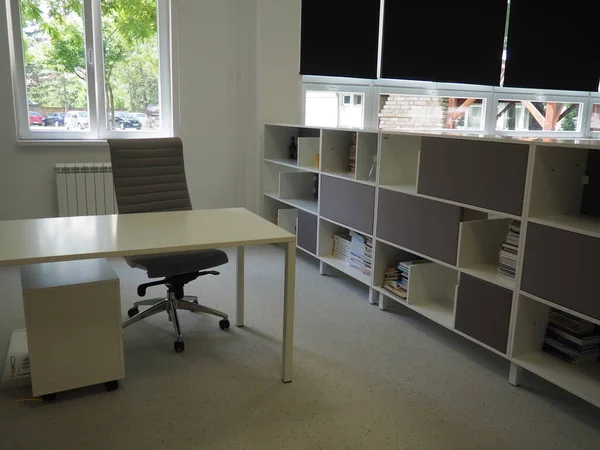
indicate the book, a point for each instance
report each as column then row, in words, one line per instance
column 559, row 332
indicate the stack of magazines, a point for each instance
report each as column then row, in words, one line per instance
column 509, row 251
column 571, row 339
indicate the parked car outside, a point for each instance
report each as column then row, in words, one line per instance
column 125, row 120
column 142, row 118
column 56, row 119
column 35, row 118
column 77, row 119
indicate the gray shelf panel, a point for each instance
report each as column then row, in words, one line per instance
column 425, row 226
column 486, row 174
column 483, row 311
column 307, row 231
column 562, row 267
column 348, row 202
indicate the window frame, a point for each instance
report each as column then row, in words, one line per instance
column 96, row 99
column 372, row 90
column 343, row 85
column 431, row 89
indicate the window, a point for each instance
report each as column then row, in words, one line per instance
column 92, row 69
column 595, row 125
column 334, row 109
column 418, row 112
column 530, row 115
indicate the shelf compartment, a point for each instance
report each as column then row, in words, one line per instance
column 562, row 267
column 288, row 219
column 277, row 141
column 482, row 173
column 308, row 153
column 399, row 161
column 530, row 330
column 307, row 205
column 386, row 256
column 348, row 202
column 557, row 189
column 479, row 249
column 291, row 163
column 426, row 226
column 325, row 251
column 483, row 311
column 432, row 292
column 335, row 154
column 366, row 152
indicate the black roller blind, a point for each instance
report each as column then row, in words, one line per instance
column 554, row 45
column 340, row 38
column 460, row 42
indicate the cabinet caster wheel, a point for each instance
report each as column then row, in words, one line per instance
column 111, row 385
column 49, row 397
column 179, row 346
column 133, row 311
column 224, row 324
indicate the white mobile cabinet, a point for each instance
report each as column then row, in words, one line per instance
column 73, row 321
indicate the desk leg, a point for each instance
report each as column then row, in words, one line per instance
column 239, row 312
column 288, row 311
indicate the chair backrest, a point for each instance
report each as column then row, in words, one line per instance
column 149, row 175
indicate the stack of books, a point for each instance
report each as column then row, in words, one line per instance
column 571, row 339
column 509, row 251
column 352, row 155
column 368, row 258
column 395, row 279
column 354, row 249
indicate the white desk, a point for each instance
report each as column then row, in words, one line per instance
column 75, row 238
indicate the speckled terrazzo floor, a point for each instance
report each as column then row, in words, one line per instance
column 364, row 379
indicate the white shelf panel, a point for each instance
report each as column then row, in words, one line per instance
column 347, row 269
column 291, row 163
column 589, row 226
column 440, row 312
column 310, row 206
column 489, row 272
column 404, row 188
column 583, row 381
column 560, row 307
column 406, row 249
column 343, row 175
column 390, row 295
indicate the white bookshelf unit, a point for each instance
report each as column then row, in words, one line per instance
column 450, row 199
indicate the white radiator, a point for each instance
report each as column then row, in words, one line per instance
column 85, row 189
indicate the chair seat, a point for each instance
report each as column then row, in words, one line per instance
column 172, row 264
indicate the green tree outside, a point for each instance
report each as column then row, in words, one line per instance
column 54, row 52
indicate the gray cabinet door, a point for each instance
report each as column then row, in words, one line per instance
column 307, row 231
column 563, row 267
column 425, row 226
column 486, row 174
column 349, row 203
column 483, row 311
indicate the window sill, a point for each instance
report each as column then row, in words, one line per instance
column 61, row 142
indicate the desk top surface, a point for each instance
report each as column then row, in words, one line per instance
column 71, row 238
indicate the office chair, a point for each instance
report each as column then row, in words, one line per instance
column 149, row 176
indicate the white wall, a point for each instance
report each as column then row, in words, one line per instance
column 279, row 87
column 238, row 68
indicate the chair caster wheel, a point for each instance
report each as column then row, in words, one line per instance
column 224, row 324
column 49, row 397
column 111, row 385
column 179, row 346
column 133, row 311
